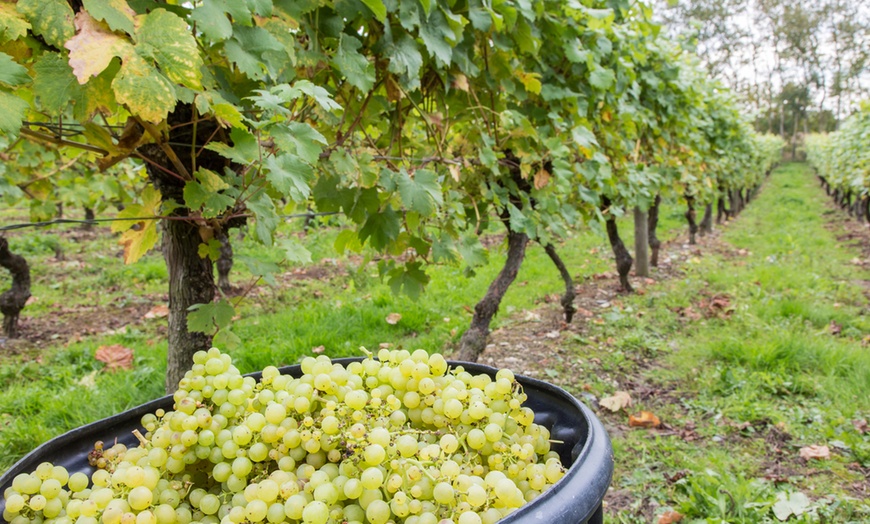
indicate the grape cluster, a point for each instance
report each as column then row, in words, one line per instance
column 398, row 439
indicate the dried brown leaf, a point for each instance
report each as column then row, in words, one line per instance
column 542, row 178
column 158, row 311
column 815, row 452
column 644, row 419
column 670, row 517
column 619, row 400
column 393, row 318
column 115, row 356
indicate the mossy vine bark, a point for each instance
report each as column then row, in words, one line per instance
column 13, row 300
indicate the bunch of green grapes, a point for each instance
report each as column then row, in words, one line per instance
column 398, row 439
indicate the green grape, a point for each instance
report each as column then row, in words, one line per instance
column 256, row 510
column 378, row 512
column 14, row 503
column 209, row 504
column 77, row 482
column 140, row 498
column 315, row 512
column 372, row 478
column 443, row 493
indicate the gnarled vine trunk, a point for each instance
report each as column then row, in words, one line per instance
column 690, row 216
column 473, row 341
column 721, row 211
column 89, row 219
column 191, row 281
column 191, row 277
column 641, row 242
column 706, row 226
column 653, row 222
column 623, row 257
column 734, row 207
column 15, row 298
column 568, row 298
column 225, row 262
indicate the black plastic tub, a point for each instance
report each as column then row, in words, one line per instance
column 583, row 445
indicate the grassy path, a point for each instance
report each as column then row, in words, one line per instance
column 755, row 353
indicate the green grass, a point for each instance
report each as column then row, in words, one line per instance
column 754, row 387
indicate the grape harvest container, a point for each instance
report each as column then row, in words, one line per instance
column 579, row 439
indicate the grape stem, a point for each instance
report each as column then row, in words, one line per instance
column 142, row 440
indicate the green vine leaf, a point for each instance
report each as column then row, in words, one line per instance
column 54, row 83
column 212, row 20
column 50, row 19
column 12, row 111
column 11, row 73
column 204, row 318
column 12, row 23
column 165, row 37
column 145, row 91
column 359, row 72
column 378, row 9
column 117, row 14
column 422, row 193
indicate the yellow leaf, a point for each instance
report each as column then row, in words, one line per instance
column 94, row 47
column 140, row 232
column 531, row 81
column 137, row 242
column 460, row 82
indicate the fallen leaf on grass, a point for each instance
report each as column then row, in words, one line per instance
column 861, row 426
column 584, row 312
column 834, row 328
column 619, row 400
column 30, row 300
column 644, row 419
column 318, row 349
column 788, row 505
column 115, row 356
column 393, row 318
column 669, row 517
column 815, row 452
column 687, row 313
column 89, row 380
column 158, row 311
